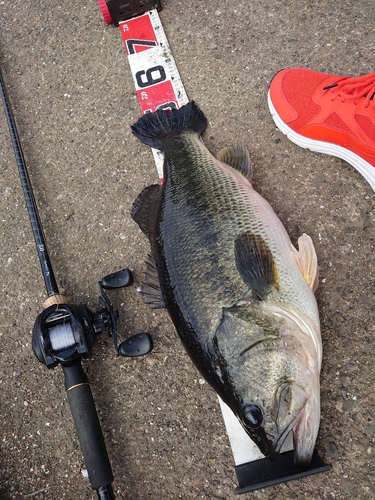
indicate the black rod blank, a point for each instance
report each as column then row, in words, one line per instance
column 40, row 241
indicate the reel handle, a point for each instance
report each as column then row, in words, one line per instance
column 88, row 430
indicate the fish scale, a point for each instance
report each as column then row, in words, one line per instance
column 233, row 214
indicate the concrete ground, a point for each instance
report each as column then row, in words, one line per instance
column 74, row 100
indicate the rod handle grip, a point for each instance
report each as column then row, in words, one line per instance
column 88, row 426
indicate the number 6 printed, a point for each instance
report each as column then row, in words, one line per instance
column 153, row 75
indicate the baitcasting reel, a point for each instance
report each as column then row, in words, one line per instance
column 64, row 333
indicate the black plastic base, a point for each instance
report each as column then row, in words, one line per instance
column 121, row 10
column 263, row 473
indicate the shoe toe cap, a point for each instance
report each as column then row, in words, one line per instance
column 291, row 93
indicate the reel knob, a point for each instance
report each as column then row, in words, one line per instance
column 137, row 345
column 140, row 343
column 117, row 280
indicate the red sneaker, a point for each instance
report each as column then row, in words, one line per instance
column 327, row 113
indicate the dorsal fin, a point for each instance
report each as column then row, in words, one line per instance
column 151, row 286
column 237, row 157
column 307, row 261
column 255, row 263
column 144, row 207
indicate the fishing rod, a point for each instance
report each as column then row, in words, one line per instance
column 65, row 333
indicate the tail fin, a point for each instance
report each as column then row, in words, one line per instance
column 155, row 128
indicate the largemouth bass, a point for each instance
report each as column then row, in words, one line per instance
column 239, row 294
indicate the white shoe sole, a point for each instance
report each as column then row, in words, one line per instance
column 363, row 167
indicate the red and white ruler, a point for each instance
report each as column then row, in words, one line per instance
column 155, row 74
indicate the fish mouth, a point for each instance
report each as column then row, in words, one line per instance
column 302, row 447
column 271, row 441
column 271, row 447
column 271, row 444
column 292, row 402
column 291, row 412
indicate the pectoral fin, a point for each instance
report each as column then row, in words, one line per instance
column 255, row 263
column 307, row 261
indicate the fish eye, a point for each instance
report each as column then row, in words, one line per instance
column 253, row 416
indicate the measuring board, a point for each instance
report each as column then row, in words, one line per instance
column 158, row 86
column 156, row 78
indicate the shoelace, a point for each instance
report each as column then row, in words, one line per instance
column 356, row 88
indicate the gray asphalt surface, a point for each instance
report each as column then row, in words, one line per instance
column 74, row 100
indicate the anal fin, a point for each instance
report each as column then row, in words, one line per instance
column 307, row 261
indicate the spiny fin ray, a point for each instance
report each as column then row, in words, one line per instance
column 237, row 157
